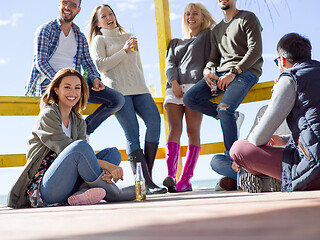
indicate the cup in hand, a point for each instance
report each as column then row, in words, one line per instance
column 135, row 46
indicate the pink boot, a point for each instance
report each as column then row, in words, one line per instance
column 172, row 156
column 187, row 173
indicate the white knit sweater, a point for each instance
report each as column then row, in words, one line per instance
column 120, row 71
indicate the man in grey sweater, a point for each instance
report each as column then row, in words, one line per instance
column 234, row 66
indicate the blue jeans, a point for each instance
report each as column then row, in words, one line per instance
column 222, row 164
column 199, row 96
column 198, row 99
column 145, row 107
column 77, row 160
column 111, row 100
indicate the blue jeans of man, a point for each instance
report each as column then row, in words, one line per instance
column 77, row 160
column 144, row 106
column 111, row 102
column 222, row 164
column 199, row 96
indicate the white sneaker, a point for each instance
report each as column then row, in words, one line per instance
column 239, row 121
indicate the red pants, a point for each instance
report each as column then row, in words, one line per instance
column 263, row 160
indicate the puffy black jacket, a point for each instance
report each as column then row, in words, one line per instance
column 301, row 157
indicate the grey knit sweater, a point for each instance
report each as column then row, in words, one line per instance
column 186, row 59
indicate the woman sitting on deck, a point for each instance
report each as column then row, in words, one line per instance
column 60, row 161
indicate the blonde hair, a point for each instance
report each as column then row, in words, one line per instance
column 208, row 21
column 94, row 30
column 50, row 96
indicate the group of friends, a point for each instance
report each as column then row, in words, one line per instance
column 210, row 60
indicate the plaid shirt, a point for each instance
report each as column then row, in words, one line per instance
column 45, row 45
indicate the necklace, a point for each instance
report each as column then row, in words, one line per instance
column 232, row 17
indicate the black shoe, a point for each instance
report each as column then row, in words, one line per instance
column 170, row 184
column 151, row 187
column 150, row 152
column 157, row 190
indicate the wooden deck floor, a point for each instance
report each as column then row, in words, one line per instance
column 201, row 214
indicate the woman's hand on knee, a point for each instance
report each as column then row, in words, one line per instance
column 107, row 177
column 116, row 173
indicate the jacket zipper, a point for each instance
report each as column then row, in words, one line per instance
column 303, row 149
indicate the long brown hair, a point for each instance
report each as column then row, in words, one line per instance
column 208, row 21
column 50, row 96
column 94, row 30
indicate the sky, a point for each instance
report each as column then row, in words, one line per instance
column 19, row 20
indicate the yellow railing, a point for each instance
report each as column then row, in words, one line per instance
column 29, row 106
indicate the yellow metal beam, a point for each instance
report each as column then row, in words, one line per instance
column 18, row 160
column 259, row 92
column 29, row 106
column 13, row 160
column 164, row 36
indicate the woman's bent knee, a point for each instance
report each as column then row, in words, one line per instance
column 111, row 155
column 115, row 155
column 120, row 102
column 79, row 144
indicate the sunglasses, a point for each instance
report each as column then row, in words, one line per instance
column 71, row 5
column 277, row 61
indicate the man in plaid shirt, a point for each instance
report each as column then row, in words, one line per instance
column 60, row 44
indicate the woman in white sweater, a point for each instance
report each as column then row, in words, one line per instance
column 114, row 53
